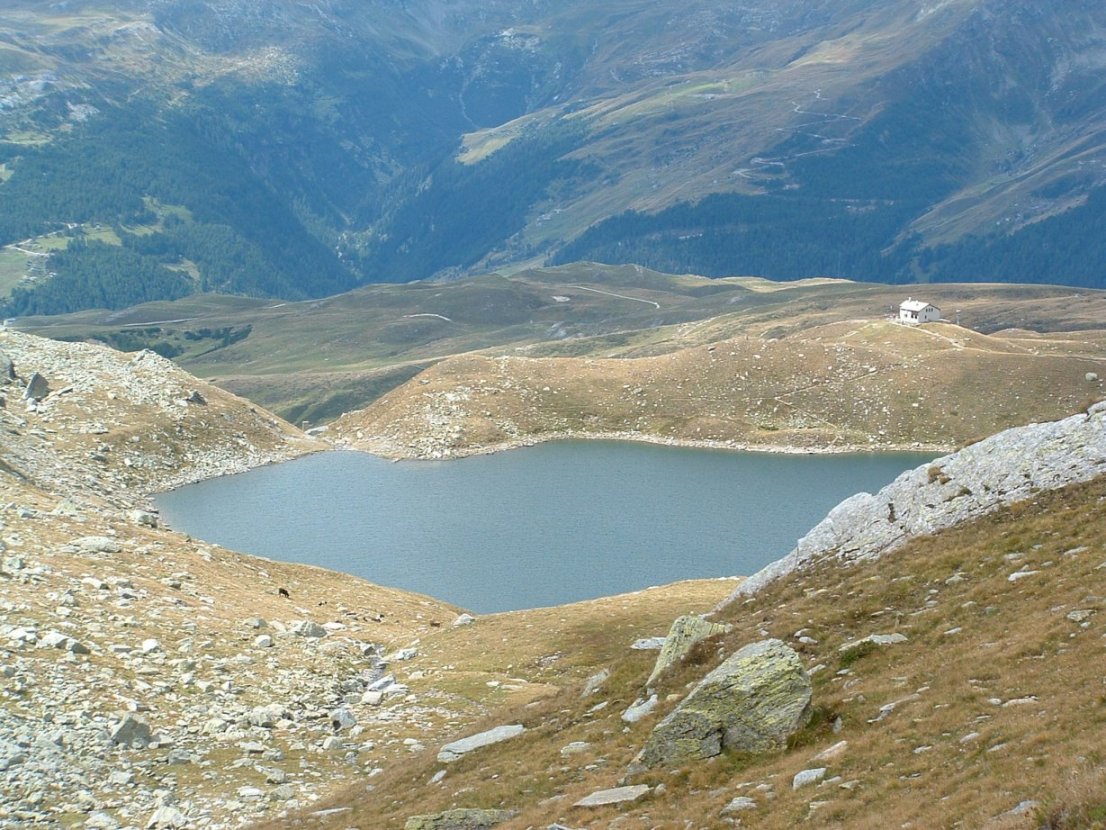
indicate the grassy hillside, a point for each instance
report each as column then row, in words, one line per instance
column 858, row 384
column 991, row 703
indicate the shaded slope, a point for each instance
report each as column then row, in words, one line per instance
column 371, row 142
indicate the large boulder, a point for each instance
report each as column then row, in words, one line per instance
column 750, row 703
column 37, row 388
column 133, row 732
column 685, row 632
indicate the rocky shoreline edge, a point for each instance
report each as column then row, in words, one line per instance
column 384, row 448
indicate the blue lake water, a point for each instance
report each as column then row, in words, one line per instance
column 545, row 525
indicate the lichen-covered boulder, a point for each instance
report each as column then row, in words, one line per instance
column 685, row 632
column 462, row 819
column 750, row 703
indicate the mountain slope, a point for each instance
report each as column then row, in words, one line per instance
column 110, row 624
column 296, row 151
column 958, row 720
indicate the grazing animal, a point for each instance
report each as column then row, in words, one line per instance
column 435, row 624
column 284, row 592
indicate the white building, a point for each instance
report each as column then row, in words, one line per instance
column 913, row 312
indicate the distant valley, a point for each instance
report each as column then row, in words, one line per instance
column 153, row 150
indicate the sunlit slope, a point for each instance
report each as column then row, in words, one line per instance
column 862, row 384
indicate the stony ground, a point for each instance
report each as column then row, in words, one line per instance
column 149, row 679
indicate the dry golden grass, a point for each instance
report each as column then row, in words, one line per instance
column 842, row 385
column 999, row 699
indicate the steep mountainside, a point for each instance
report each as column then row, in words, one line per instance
column 297, row 150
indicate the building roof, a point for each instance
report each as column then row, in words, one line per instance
column 915, row 305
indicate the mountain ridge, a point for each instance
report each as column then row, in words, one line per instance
column 382, row 143
column 312, row 361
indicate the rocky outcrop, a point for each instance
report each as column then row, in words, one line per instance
column 750, row 703
column 1005, row 468
column 37, row 388
column 121, row 425
column 461, row 819
column 685, row 632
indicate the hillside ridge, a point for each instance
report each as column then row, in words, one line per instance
column 847, row 386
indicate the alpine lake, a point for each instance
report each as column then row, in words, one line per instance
column 544, row 525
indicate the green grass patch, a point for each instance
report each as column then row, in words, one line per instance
column 13, row 267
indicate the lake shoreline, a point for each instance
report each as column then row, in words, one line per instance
column 388, row 449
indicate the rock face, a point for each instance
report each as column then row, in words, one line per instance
column 464, row 819
column 685, row 632
column 750, row 703
column 1005, row 468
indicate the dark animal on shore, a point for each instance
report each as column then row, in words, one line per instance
column 284, row 592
